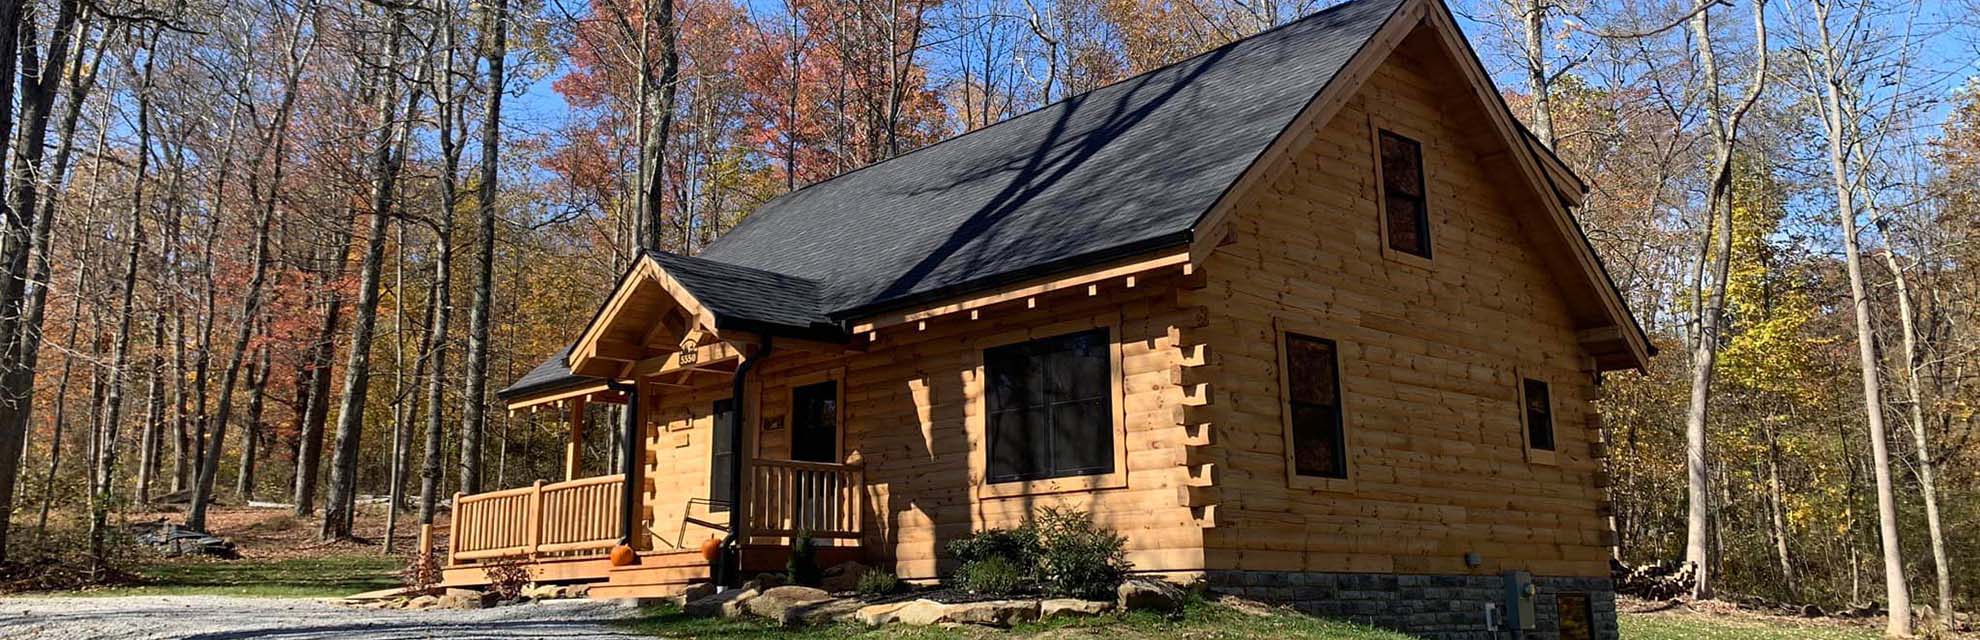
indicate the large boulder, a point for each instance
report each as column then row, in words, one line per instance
column 468, row 599
column 788, row 605
column 1148, row 595
column 874, row 615
column 1072, row 608
column 844, row 577
column 994, row 613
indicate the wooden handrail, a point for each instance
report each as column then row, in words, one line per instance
column 576, row 517
column 788, row 497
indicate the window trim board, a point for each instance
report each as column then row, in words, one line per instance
column 835, row 375
column 977, row 424
column 1283, row 327
column 1376, row 125
column 1537, row 456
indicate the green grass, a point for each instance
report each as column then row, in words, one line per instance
column 1664, row 627
column 1200, row 622
column 322, row 577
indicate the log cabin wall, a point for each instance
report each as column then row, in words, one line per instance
column 910, row 405
column 1431, row 356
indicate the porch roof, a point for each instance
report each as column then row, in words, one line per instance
column 550, row 376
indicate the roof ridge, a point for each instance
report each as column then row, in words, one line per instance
column 1041, row 108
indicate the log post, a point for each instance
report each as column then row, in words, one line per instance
column 574, row 450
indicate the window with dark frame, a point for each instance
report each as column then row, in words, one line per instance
column 1577, row 617
column 721, row 489
column 1313, row 381
column 1049, row 404
column 1403, row 199
column 1539, row 415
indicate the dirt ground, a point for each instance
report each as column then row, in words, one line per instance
column 275, row 533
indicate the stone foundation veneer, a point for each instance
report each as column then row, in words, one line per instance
column 1438, row 607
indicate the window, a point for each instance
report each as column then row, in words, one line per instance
column 1539, row 414
column 815, row 422
column 1403, row 202
column 1049, row 405
column 721, row 492
column 1577, row 617
column 1313, row 396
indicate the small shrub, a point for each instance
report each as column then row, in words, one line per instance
column 421, row 573
column 1017, row 547
column 507, row 577
column 877, row 582
column 991, row 576
column 803, row 565
column 1078, row 558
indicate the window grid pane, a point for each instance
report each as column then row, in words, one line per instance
column 1403, row 196
column 1539, row 415
column 1314, row 402
column 1048, row 403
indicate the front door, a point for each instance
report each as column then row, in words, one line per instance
column 815, row 422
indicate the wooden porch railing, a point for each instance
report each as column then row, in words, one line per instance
column 578, row 517
column 786, row 497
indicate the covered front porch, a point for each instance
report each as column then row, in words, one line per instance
column 659, row 374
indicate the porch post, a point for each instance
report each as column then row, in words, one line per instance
column 629, row 444
column 728, row 565
column 574, row 450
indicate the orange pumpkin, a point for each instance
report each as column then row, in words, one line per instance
column 623, row 556
column 711, row 548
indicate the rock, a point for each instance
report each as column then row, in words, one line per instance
column 422, row 602
column 789, row 605
column 843, row 577
column 1148, row 595
column 994, row 613
column 467, row 599
column 545, row 592
column 1072, row 608
column 727, row 604
column 875, row 615
column 695, row 592
column 922, row 613
column 766, row 581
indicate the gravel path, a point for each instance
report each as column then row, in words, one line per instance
column 228, row 618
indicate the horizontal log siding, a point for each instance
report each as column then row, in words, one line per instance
column 1430, row 360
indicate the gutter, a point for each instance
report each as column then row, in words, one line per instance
column 728, row 565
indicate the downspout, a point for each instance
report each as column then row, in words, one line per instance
column 629, row 445
column 728, row 566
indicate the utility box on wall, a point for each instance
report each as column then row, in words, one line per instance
column 1520, row 595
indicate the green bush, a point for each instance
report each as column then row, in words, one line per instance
column 877, row 582
column 1078, row 558
column 1017, row 547
column 991, row 576
column 803, row 565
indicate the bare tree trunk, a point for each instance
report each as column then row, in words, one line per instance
column 103, row 492
column 1928, row 484
column 251, row 436
column 494, row 48
column 277, row 146
column 1538, row 82
column 39, row 84
column 337, row 508
column 662, row 94
column 62, row 392
column 316, row 401
column 1715, row 245
column 1843, row 136
column 440, row 305
column 1777, row 512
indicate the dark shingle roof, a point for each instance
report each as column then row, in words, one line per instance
column 1117, row 171
column 749, row 298
column 1121, row 170
column 553, row 374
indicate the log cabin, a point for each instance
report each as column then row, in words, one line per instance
column 1305, row 318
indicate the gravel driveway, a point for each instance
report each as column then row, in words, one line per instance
column 226, row 618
